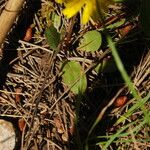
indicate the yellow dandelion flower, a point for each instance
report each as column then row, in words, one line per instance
column 88, row 8
column 73, row 7
column 59, row 1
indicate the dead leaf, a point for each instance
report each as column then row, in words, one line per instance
column 21, row 124
column 17, row 96
column 120, row 101
column 59, row 125
column 28, row 34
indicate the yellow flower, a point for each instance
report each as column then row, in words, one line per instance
column 59, row 1
column 88, row 10
column 73, row 7
column 88, row 7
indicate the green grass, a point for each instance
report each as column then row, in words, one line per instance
column 118, row 134
column 140, row 104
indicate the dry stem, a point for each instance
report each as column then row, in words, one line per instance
column 8, row 17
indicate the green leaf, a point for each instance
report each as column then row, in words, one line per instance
column 116, row 24
column 53, row 37
column 145, row 16
column 74, row 77
column 91, row 41
column 56, row 20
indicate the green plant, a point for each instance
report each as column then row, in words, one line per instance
column 74, row 73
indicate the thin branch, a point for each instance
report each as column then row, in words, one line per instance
column 8, row 17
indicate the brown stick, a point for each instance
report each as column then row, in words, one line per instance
column 8, row 17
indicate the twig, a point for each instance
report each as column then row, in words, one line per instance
column 8, row 17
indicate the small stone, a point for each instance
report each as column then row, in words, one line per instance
column 7, row 135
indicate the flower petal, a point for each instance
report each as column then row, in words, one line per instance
column 73, row 7
column 59, row 1
column 88, row 10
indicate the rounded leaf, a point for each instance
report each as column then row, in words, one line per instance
column 91, row 41
column 74, row 77
column 53, row 37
